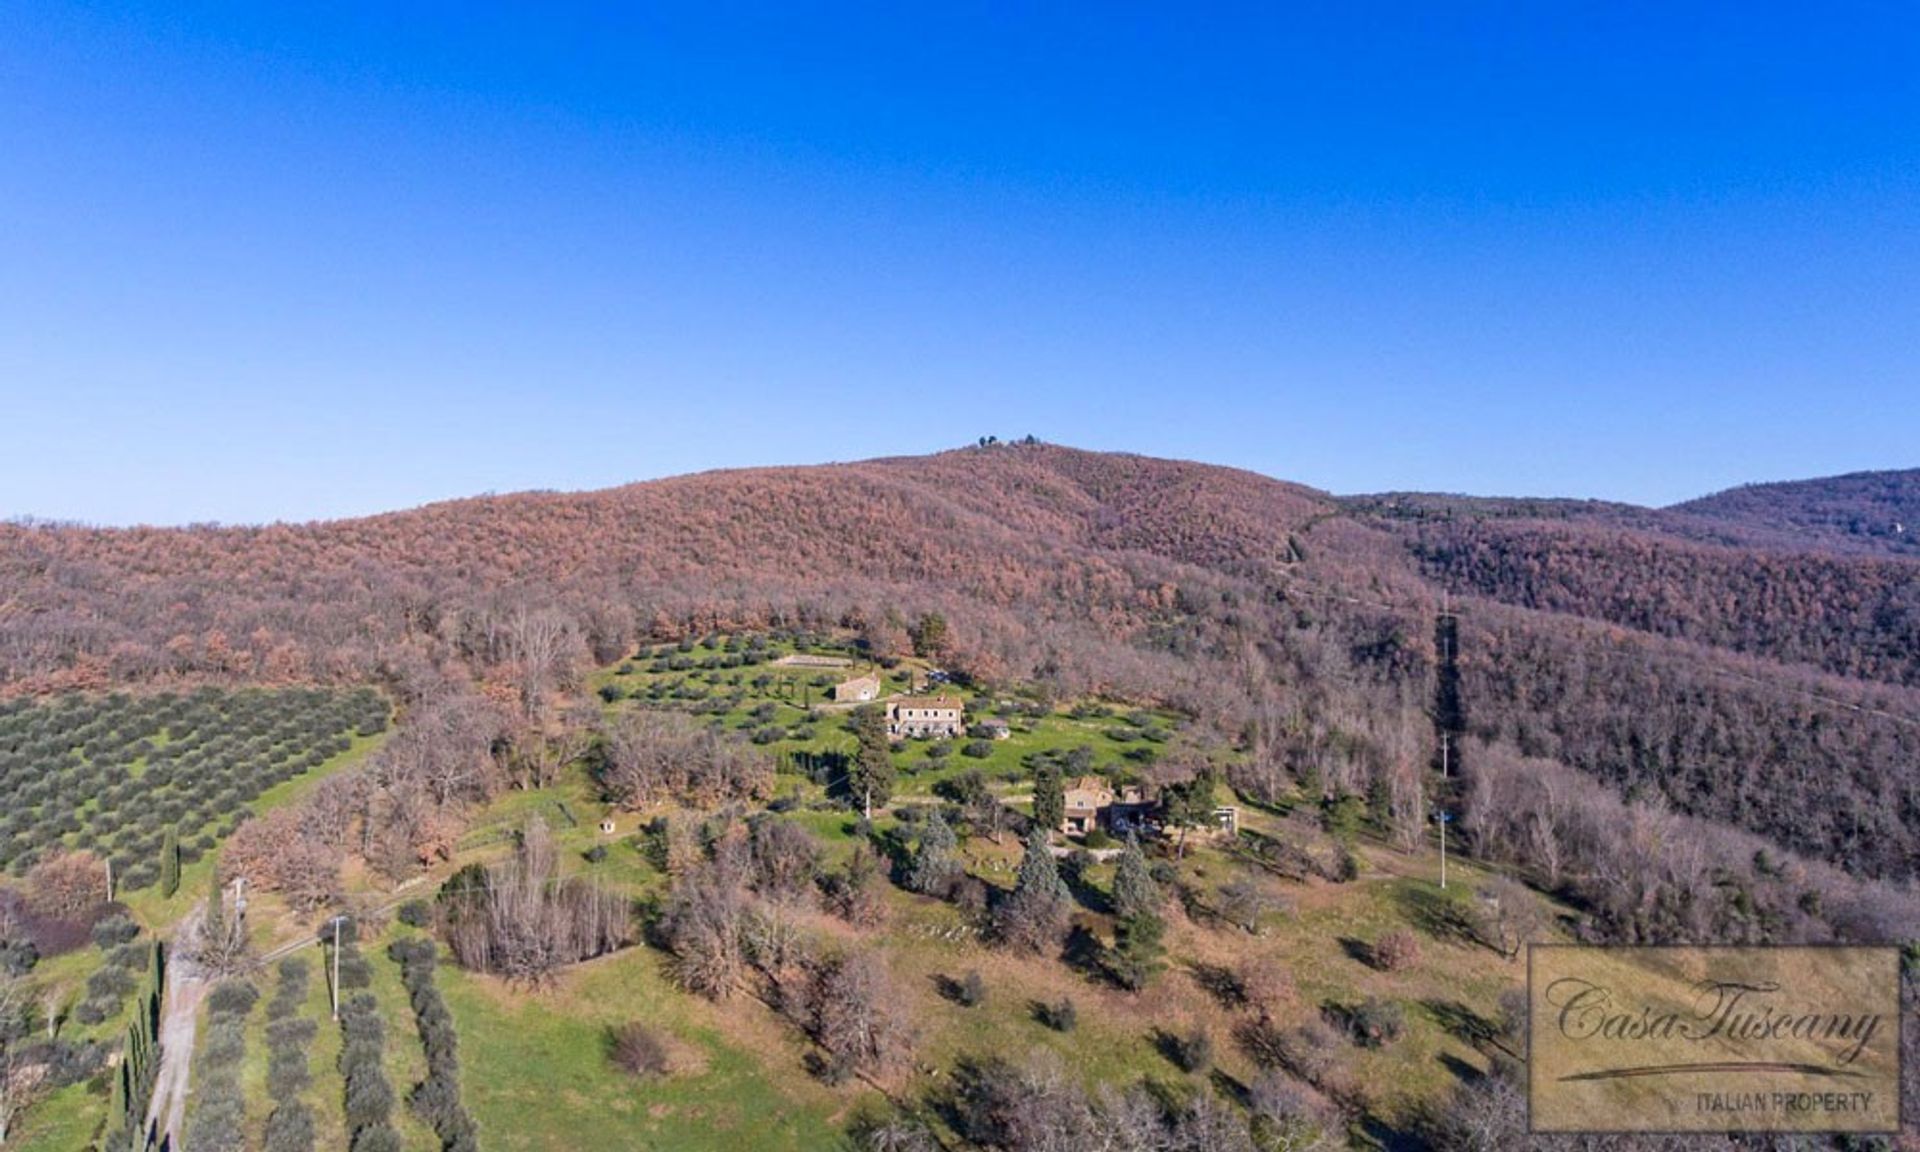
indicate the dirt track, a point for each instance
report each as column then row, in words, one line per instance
column 185, row 988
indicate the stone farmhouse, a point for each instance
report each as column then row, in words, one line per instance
column 1092, row 803
column 858, row 690
column 922, row 716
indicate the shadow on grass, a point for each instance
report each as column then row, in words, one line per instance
column 1461, row 1022
column 1359, row 951
column 1437, row 914
column 1220, row 982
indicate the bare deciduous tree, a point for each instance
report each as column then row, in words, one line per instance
column 651, row 755
column 857, row 1016
column 539, row 642
column 703, row 925
column 526, row 922
column 66, row 884
column 277, row 853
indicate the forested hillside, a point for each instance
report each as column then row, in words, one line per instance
column 1858, row 512
column 1766, row 687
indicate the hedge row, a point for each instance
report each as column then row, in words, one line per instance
column 437, row 1098
column 133, row 1077
column 369, row 1094
column 289, row 1037
column 220, row 1112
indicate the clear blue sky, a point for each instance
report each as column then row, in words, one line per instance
column 261, row 263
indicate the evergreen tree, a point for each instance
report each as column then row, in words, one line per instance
column 1134, row 891
column 1035, row 913
column 870, row 777
column 1039, row 872
column 1190, row 805
column 213, row 929
column 1137, row 956
column 929, row 634
column 933, row 866
column 1049, row 797
column 169, row 864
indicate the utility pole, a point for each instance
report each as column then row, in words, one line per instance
column 1445, row 818
column 336, row 967
column 1445, row 740
column 109, row 879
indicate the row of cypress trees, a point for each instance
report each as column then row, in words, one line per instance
column 133, row 1079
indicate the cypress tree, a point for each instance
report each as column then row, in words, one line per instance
column 213, row 929
column 870, row 778
column 1049, row 797
column 169, row 864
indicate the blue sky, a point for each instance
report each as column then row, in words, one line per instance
column 260, row 262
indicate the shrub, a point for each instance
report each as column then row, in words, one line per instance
column 290, row 1128
column 109, row 985
column 232, row 997
column 1397, row 951
column 978, row 749
column 638, row 1051
column 368, row 1097
column 1192, row 1052
column 114, row 931
column 1309, row 1051
column 1346, row 867
column 416, row 914
column 18, row 955
column 1376, row 1023
column 219, row 1115
column 971, row 991
column 132, row 957
column 1061, row 1015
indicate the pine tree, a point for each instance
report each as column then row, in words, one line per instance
column 1137, row 956
column 1190, row 805
column 1035, row 913
column 169, row 864
column 1134, row 891
column 1039, row 872
column 933, row 865
column 929, row 634
column 1049, row 797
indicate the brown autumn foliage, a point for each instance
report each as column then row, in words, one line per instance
column 277, row 853
column 67, row 884
column 1846, row 615
column 1296, row 627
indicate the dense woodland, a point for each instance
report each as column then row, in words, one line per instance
column 1292, row 623
column 1846, row 615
